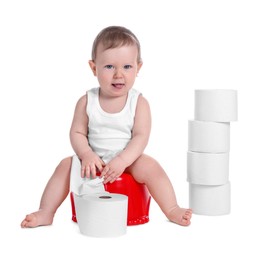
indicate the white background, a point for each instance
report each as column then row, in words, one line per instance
column 44, row 51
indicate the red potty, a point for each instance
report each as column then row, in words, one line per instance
column 138, row 199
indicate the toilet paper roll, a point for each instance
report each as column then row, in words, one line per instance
column 209, row 200
column 208, row 137
column 102, row 215
column 219, row 105
column 207, row 168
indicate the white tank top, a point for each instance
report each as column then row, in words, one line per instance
column 109, row 134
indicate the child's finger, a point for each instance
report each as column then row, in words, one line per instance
column 83, row 171
column 93, row 170
column 104, row 171
column 100, row 166
column 110, row 178
column 87, row 171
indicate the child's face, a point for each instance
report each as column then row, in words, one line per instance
column 116, row 69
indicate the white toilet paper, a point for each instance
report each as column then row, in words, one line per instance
column 208, row 137
column 219, row 105
column 207, row 168
column 210, row 200
column 102, row 215
column 79, row 185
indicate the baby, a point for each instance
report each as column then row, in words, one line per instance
column 110, row 130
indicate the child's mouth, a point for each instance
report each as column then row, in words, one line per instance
column 118, row 86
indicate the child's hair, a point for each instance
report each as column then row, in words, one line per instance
column 113, row 37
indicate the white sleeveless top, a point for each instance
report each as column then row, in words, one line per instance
column 109, row 134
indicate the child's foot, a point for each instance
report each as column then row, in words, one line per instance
column 180, row 216
column 38, row 218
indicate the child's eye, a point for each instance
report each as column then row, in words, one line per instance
column 109, row 67
column 127, row 67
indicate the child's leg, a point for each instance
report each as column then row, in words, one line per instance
column 54, row 194
column 148, row 171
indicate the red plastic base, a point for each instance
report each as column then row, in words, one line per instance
column 138, row 199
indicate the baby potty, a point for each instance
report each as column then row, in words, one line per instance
column 138, row 198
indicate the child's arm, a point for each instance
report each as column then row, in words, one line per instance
column 140, row 137
column 79, row 141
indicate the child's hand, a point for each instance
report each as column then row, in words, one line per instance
column 90, row 163
column 113, row 169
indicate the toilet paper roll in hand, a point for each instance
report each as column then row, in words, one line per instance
column 208, row 137
column 219, row 105
column 102, row 215
column 207, row 168
column 210, row 200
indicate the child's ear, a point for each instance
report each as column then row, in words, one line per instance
column 139, row 66
column 93, row 67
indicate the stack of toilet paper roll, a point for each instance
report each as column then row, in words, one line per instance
column 208, row 151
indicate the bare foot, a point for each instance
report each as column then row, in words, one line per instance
column 180, row 216
column 38, row 218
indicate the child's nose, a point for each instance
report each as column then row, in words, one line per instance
column 118, row 73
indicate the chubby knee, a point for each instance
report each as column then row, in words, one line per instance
column 143, row 167
column 65, row 164
column 147, row 162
